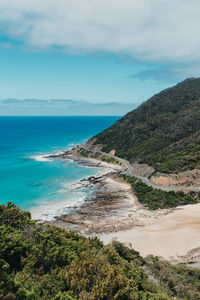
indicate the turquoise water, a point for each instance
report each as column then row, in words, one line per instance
column 32, row 183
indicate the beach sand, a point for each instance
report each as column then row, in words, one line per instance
column 171, row 236
column 114, row 213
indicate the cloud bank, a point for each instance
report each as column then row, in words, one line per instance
column 149, row 30
column 32, row 107
column 174, row 72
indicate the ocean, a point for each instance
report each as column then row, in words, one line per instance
column 44, row 186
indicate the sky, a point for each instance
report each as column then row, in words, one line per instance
column 93, row 57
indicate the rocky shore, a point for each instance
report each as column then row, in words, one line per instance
column 112, row 211
column 87, row 161
column 112, row 207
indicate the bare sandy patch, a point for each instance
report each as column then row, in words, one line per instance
column 142, row 169
column 187, row 178
column 171, row 236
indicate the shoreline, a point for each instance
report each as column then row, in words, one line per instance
column 173, row 236
column 113, row 212
column 112, row 207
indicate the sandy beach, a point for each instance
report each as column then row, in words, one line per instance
column 172, row 236
column 114, row 213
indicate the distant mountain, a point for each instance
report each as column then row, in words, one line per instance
column 164, row 131
column 62, row 107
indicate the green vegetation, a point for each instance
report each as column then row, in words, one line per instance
column 175, row 280
column 38, row 261
column 87, row 153
column 163, row 132
column 156, row 198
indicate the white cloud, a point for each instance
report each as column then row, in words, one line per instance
column 160, row 30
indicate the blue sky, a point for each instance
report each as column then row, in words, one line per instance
column 105, row 56
column 96, row 78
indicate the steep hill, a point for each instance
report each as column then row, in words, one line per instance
column 38, row 261
column 163, row 131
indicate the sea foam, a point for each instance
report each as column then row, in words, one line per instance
column 40, row 158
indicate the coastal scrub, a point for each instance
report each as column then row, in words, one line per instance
column 157, row 198
column 39, row 261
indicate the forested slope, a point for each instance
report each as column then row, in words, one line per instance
column 163, row 132
column 38, row 261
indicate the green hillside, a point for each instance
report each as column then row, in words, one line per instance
column 163, row 132
column 39, row 261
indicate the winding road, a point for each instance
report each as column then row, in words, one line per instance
column 130, row 172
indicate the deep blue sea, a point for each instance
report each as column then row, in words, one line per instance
column 39, row 185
